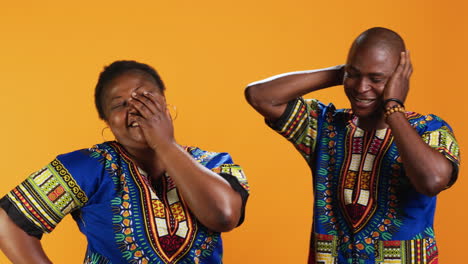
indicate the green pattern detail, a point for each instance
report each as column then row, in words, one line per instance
column 321, row 187
column 429, row 231
column 324, row 218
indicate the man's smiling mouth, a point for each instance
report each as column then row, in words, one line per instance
column 363, row 100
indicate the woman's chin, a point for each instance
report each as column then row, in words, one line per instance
column 134, row 143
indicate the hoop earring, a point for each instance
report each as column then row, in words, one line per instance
column 102, row 133
column 172, row 112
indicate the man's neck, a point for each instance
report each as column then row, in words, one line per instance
column 373, row 122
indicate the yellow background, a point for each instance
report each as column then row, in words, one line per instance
column 207, row 51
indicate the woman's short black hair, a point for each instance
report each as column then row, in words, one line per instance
column 116, row 69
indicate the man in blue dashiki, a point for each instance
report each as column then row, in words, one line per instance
column 377, row 168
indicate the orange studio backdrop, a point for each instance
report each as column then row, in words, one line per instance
column 207, row 51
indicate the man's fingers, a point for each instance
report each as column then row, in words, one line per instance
column 409, row 71
column 403, row 57
column 401, row 65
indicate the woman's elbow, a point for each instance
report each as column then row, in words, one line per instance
column 227, row 221
column 225, row 215
column 437, row 184
column 430, row 190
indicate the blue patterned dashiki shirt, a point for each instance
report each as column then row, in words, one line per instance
column 125, row 218
column 365, row 209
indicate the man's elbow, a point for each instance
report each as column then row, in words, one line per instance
column 251, row 96
column 264, row 102
column 261, row 102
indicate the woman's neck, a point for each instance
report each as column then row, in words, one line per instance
column 149, row 161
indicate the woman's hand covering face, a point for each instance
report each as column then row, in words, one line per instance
column 153, row 118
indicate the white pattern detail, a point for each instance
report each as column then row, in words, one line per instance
column 348, row 195
column 161, row 226
column 368, row 162
column 355, row 162
column 363, row 197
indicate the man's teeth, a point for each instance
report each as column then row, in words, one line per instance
column 363, row 100
column 134, row 124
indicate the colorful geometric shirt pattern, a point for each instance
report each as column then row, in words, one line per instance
column 125, row 217
column 365, row 209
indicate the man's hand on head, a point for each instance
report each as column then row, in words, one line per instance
column 397, row 86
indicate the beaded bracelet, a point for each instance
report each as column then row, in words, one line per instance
column 394, row 109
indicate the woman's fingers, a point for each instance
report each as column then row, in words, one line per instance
column 148, row 104
column 152, row 109
column 157, row 99
column 160, row 100
column 141, row 108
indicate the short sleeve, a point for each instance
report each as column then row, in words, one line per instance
column 40, row 202
column 222, row 164
column 63, row 186
column 299, row 123
column 440, row 136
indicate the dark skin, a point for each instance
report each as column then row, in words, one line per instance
column 17, row 245
column 374, row 72
column 217, row 207
column 136, row 112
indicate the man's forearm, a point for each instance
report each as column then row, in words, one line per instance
column 427, row 169
column 270, row 96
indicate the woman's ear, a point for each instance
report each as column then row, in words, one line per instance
column 107, row 134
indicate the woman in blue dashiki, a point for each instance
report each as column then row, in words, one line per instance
column 377, row 168
column 140, row 199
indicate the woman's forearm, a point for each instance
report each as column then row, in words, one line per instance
column 210, row 197
column 17, row 245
